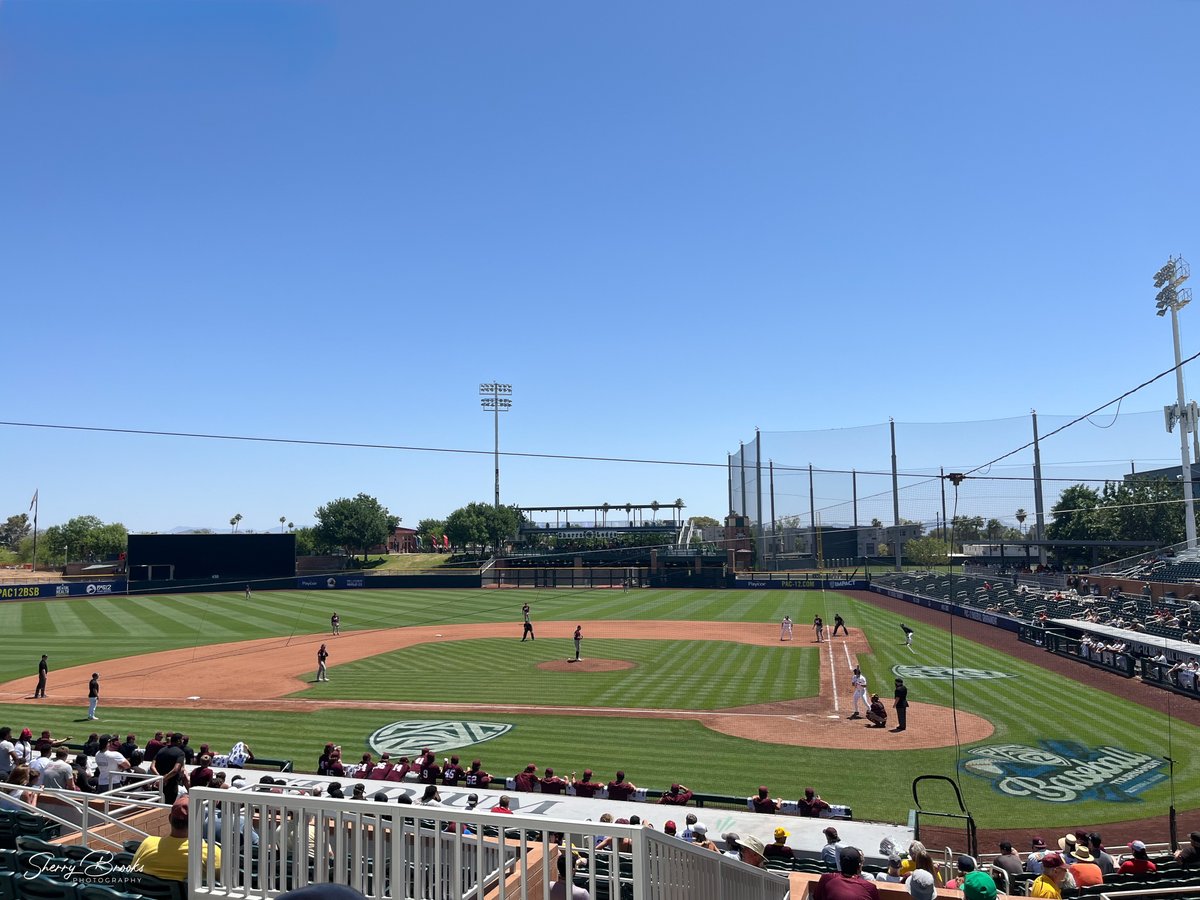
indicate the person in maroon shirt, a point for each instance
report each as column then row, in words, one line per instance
column 399, row 770
column 621, row 789
column 678, row 795
column 202, row 775
column 452, row 772
column 586, row 787
column 153, row 745
column 811, row 804
column 527, row 781
column 380, row 772
column 763, row 803
column 365, row 767
column 476, row 777
column 847, row 883
column 430, row 772
column 552, row 784
column 502, row 806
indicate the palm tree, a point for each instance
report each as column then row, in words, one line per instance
column 1021, row 517
column 282, row 519
column 234, row 521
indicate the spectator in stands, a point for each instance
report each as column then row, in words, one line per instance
column 20, row 777
column 1139, row 863
column 678, row 795
column 780, row 849
column 700, row 837
column 240, row 754
column 731, row 850
column 564, row 888
column 892, row 875
column 752, row 851
column 811, row 804
column 502, row 806
column 83, row 780
column 1107, row 864
column 1066, row 848
column 110, row 766
column 130, row 747
column 669, row 827
column 552, row 784
column 1049, row 883
column 153, row 745
column 476, row 777
column 335, row 790
column 830, row 852
column 1189, row 854
column 59, row 775
column 167, row 857
column 919, row 858
column 202, row 775
column 621, row 788
column 585, row 787
column 688, row 822
column 526, row 781
column 452, row 772
column 847, row 883
column 1009, row 860
column 974, row 884
column 169, row 763
column 764, row 803
column 921, row 885
column 431, row 797
column 360, row 792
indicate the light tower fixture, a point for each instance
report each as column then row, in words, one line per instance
column 498, row 398
column 1174, row 297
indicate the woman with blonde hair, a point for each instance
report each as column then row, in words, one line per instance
column 20, row 776
column 919, row 858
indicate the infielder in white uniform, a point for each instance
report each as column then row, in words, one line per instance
column 859, row 681
column 785, row 629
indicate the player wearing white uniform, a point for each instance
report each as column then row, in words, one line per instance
column 859, row 681
column 785, row 629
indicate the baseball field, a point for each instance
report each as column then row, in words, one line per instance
column 672, row 685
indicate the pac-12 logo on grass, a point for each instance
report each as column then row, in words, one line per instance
column 1066, row 771
column 407, row 738
column 944, row 673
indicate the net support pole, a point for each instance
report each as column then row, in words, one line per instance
column 895, row 496
column 812, row 512
column 758, row 507
column 729, row 465
column 774, row 539
column 742, row 475
column 1038, row 508
column 945, row 524
column 854, row 503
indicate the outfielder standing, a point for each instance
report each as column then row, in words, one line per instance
column 528, row 630
column 859, row 681
column 785, row 629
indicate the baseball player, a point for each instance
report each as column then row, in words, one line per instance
column 528, row 631
column 785, row 629
column 819, row 628
column 859, row 682
column 908, row 633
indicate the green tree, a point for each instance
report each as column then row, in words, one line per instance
column 430, row 531
column 83, row 538
column 15, row 528
column 354, row 524
column 927, row 551
column 1141, row 510
column 1073, row 518
column 482, row 524
column 704, row 522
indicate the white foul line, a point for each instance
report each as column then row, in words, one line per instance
column 833, row 675
column 849, row 661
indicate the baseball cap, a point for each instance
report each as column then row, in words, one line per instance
column 921, row 886
column 670, row 826
column 1137, row 845
column 966, row 864
column 979, row 886
column 1005, row 847
column 26, row 733
column 750, row 842
column 780, row 834
column 849, row 859
column 808, row 792
column 1039, row 844
column 179, row 811
column 1052, row 860
column 675, row 788
column 831, row 833
column 700, row 828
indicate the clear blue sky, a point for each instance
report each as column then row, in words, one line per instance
column 665, row 224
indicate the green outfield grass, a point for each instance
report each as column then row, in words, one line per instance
column 1032, row 705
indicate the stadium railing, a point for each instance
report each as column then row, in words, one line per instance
column 398, row 850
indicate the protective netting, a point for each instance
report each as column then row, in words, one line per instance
column 850, row 479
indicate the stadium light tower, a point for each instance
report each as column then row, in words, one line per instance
column 498, row 398
column 1172, row 296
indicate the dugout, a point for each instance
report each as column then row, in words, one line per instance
column 216, row 557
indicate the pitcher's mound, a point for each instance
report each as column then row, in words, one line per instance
column 585, row 665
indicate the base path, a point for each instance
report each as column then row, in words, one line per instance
column 260, row 674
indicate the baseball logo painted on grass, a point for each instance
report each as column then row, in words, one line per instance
column 407, row 738
column 1066, row 771
column 944, row 673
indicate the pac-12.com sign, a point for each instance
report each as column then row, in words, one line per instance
column 1066, row 771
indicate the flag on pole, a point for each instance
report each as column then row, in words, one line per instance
column 33, row 502
column 445, row 541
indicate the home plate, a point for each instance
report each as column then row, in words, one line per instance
column 194, row 698
column 833, row 717
column 437, row 635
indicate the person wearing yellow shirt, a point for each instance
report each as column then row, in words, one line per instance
column 167, row 857
column 1049, row 883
